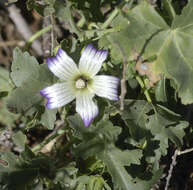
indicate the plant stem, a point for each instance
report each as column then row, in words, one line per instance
column 185, row 151
column 37, row 35
column 146, row 92
column 48, row 139
column 174, row 157
column 39, row 146
column 109, row 20
column 123, row 80
column 171, row 169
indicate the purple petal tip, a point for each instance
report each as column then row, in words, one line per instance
column 60, row 51
column 117, row 98
column 87, row 122
column 105, row 52
column 89, row 46
column 50, row 105
column 49, row 61
column 42, row 93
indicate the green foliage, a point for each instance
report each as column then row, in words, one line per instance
column 115, row 161
column 5, row 83
column 30, row 78
column 23, row 67
column 6, row 117
column 94, row 139
column 19, row 139
column 13, row 175
column 48, row 118
column 144, row 120
column 6, row 86
column 171, row 45
column 161, row 91
column 122, row 149
column 98, row 141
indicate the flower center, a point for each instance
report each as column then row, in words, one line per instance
column 80, row 83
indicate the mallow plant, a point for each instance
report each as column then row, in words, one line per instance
column 107, row 102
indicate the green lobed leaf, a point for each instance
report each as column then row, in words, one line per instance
column 7, row 118
column 148, row 184
column 28, row 95
column 19, row 139
column 48, row 118
column 30, row 78
column 149, row 35
column 173, row 50
column 145, row 120
column 6, row 86
column 151, row 127
column 91, row 183
column 66, row 176
column 159, row 127
column 5, row 83
column 115, row 161
column 138, row 27
column 23, row 67
column 160, row 91
column 99, row 141
column 94, row 139
column 12, row 175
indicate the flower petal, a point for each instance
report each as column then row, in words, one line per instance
column 58, row 95
column 87, row 109
column 91, row 60
column 106, row 86
column 62, row 65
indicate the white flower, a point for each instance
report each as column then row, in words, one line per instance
column 80, row 83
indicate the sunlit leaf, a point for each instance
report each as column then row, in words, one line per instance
column 5, row 83
column 23, row 67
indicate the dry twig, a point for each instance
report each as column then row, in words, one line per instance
column 171, row 169
column 185, row 151
column 12, row 43
column 174, row 157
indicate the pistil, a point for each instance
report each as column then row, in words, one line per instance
column 80, row 83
